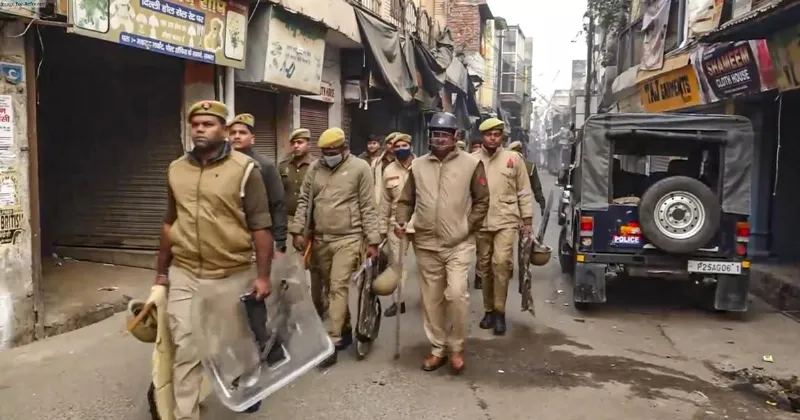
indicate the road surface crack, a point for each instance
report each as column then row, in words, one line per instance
column 484, row 406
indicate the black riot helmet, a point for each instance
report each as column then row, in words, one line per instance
column 443, row 121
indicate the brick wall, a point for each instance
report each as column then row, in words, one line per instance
column 464, row 22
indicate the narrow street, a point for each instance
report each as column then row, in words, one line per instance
column 650, row 360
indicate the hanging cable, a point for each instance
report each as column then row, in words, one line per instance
column 778, row 149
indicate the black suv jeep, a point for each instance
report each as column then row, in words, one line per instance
column 659, row 195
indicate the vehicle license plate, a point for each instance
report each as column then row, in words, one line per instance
column 715, row 267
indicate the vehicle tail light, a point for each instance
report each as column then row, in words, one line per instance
column 587, row 225
column 587, row 231
column 742, row 237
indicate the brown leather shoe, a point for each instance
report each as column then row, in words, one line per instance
column 457, row 362
column 433, row 362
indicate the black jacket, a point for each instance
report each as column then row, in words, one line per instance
column 277, row 202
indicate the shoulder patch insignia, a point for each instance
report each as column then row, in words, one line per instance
column 510, row 163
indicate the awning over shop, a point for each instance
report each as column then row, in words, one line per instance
column 342, row 22
column 757, row 24
column 432, row 65
column 625, row 84
column 386, row 57
column 670, row 63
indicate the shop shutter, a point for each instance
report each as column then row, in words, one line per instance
column 105, row 160
column 262, row 104
column 314, row 117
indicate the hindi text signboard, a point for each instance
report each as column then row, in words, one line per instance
column 209, row 31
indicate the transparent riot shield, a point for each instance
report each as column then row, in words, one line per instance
column 251, row 349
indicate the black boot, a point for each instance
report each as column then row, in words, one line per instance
column 346, row 340
column 254, row 408
column 392, row 310
column 487, row 323
column 330, row 361
column 478, row 283
column 499, row 323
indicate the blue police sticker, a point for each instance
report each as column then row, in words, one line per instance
column 626, row 240
column 13, row 73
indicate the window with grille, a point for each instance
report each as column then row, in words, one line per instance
column 396, row 12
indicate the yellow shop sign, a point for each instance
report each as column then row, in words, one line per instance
column 671, row 91
column 209, row 31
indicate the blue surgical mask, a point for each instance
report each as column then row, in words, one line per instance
column 402, row 154
column 332, row 161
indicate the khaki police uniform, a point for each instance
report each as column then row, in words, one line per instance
column 511, row 204
column 394, row 179
column 293, row 172
column 442, row 204
column 377, row 166
column 533, row 175
column 342, row 214
column 212, row 210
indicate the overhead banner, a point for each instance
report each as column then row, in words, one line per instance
column 671, row 91
column 784, row 48
column 733, row 68
column 209, row 31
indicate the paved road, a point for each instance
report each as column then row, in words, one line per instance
column 645, row 355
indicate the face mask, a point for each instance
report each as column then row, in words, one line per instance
column 402, row 154
column 332, row 161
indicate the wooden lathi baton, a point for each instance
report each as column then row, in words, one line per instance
column 307, row 255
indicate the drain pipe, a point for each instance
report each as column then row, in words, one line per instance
column 230, row 91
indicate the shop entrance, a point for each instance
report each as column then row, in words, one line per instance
column 109, row 125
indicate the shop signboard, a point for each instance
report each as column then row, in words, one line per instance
column 671, row 91
column 23, row 8
column 288, row 51
column 327, row 93
column 729, row 69
column 784, row 47
column 209, row 31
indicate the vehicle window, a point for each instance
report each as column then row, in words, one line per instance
column 639, row 163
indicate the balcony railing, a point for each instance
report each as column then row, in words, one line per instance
column 372, row 5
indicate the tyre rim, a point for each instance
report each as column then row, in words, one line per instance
column 679, row 215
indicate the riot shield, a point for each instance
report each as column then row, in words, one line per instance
column 524, row 251
column 368, row 318
column 250, row 348
column 525, row 275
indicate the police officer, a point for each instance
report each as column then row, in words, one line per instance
column 293, row 168
column 394, row 178
column 336, row 199
column 476, row 145
column 447, row 194
column 240, row 133
column 373, row 151
column 210, row 243
column 379, row 165
column 533, row 174
column 511, row 203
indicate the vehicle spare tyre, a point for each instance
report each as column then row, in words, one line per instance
column 679, row 214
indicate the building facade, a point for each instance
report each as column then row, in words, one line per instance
column 93, row 116
column 515, row 81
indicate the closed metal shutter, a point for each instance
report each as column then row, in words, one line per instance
column 262, row 104
column 105, row 160
column 314, row 117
